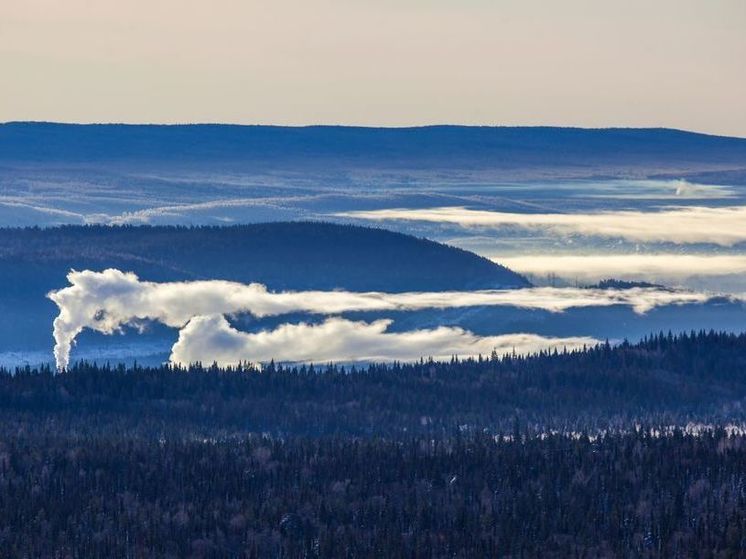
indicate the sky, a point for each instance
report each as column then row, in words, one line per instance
column 596, row 63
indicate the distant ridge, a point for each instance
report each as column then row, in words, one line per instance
column 312, row 146
column 283, row 255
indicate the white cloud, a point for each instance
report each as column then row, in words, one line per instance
column 106, row 301
column 724, row 226
column 211, row 339
column 651, row 267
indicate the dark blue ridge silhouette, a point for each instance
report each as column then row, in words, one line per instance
column 290, row 255
column 426, row 147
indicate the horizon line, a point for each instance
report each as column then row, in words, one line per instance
column 369, row 127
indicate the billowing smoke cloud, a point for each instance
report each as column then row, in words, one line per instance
column 211, row 339
column 724, row 226
column 106, row 301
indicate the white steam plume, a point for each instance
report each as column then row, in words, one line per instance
column 106, row 301
column 211, row 339
column 724, row 226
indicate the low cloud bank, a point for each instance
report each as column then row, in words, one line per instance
column 649, row 267
column 725, row 226
column 106, row 301
column 211, row 339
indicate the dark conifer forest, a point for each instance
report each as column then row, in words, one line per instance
column 635, row 450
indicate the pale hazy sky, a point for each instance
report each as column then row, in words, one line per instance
column 678, row 63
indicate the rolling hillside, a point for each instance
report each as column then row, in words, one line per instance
column 295, row 256
column 431, row 147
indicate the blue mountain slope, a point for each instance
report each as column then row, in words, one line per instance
column 293, row 256
column 429, row 147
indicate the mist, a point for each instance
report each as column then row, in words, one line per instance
column 726, row 271
column 725, row 226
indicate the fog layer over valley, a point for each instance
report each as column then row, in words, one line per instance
column 499, row 192
column 566, row 208
column 369, row 298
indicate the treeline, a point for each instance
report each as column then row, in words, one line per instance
column 632, row 495
column 663, row 380
column 569, row 454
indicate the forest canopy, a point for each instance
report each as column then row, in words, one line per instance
column 629, row 450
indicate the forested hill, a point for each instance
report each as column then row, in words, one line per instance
column 288, row 255
column 391, row 461
column 663, row 380
column 465, row 147
column 291, row 255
